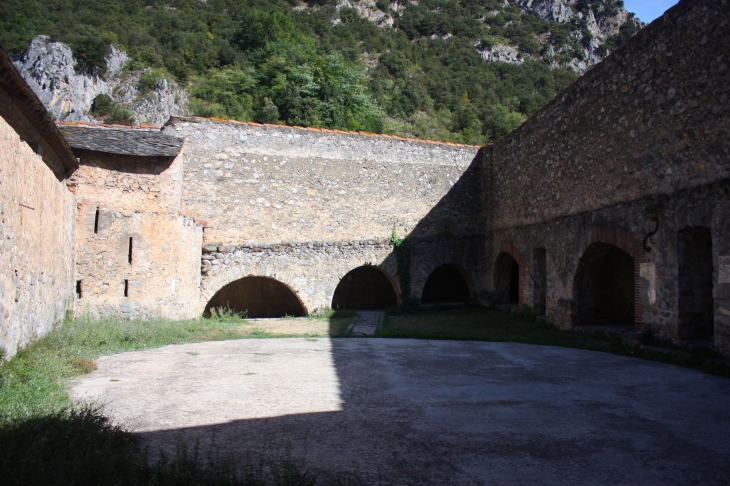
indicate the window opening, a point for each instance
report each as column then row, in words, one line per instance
column 79, row 289
column 96, row 221
column 129, row 256
column 126, row 287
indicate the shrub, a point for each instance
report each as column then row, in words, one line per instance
column 102, row 105
column 148, row 81
column 90, row 54
column 113, row 114
column 267, row 112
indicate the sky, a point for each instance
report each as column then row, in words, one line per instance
column 648, row 10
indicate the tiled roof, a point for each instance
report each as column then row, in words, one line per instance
column 124, row 141
column 64, row 163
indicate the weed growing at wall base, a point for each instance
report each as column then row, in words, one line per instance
column 402, row 249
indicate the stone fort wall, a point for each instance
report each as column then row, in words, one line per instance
column 36, row 237
column 306, row 206
column 641, row 135
column 649, row 120
column 614, row 194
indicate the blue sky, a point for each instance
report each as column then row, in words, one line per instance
column 648, row 10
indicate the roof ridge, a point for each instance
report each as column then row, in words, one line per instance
column 85, row 124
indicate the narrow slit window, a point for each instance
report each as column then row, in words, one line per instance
column 126, row 287
column 131, row 243
column 79, row 289
column 96, row 221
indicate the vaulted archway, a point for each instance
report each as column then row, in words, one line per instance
column 257, row 297
column 604, row 286
column 447, row 283
column 507, row 279
column 365, row 288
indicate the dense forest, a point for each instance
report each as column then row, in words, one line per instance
column 418, row 71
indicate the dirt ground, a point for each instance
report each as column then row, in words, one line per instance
column 418, row 411
column 300, row 326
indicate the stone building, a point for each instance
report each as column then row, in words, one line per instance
column 607, row 208
column 137, row 254
column 36, row 216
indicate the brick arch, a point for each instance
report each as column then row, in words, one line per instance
column 506, row 246
column 211, row 285
column 622, row 239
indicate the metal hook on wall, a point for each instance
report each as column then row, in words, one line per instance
column 650, row 234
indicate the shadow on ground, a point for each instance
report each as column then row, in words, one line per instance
column 418, row 411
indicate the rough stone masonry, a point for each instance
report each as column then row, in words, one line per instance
column 607, row 208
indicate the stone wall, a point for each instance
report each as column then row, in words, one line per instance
column 652, row 118
column 129, row 183
column 311, row 270
column 257, row 183
column 36, row 243
column 137, row 255
column 643, row 135
column 306, row 206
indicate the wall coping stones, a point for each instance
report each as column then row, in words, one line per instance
column 213, row 248
column 194, row 119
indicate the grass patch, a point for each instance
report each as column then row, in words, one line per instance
column 83, row 447
column 485, row 324
column 33, row 383
column 330, row 313
column 46, row 441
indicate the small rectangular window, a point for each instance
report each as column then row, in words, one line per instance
column 96, row 221
column 79, row 289
column 129, row 256
column 126, row 287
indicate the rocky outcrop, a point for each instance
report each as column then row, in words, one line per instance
column 49, row 68
column 154, row 107
column 501, row 53
column 368, row 10
column 556, row 10
column 610, row 19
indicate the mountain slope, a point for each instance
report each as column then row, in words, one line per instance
column 464, row 71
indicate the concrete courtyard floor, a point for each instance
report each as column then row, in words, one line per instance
column 428, row 412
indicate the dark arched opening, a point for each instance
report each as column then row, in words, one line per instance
column 696, row 305
column 364, row 288
column 507, row 279
column 604, row 286
column 257, row 297
column 446, row 284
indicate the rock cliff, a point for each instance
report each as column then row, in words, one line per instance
column 582, row 37
column 49, row 68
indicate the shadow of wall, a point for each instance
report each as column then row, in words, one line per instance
column 452, row 232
